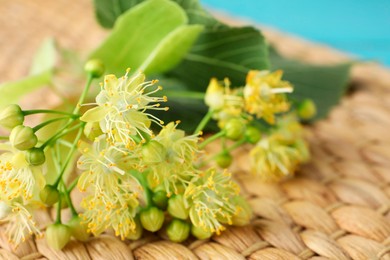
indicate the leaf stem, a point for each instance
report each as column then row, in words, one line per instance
column 58, row 217
column 84, row 93
column 37, row 127
column 204, row 122
column 47, row 111
column 69, row 201
column 61, row 133
column 212, row 139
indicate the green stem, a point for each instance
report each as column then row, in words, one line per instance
column 58, row 217
column 69, row 157
column 204, row 122
column 4, row 137
column 212, row 139
column 73, row 184
column 184, row 94
column 61, row 133
column 47, row 111
column 37, row 127
column 69, row 201
column 84, row 94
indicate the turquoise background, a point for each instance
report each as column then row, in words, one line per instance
column 359, row 27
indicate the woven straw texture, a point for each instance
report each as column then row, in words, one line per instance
column 337, row 207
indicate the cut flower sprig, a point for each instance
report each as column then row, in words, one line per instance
column 138, row 173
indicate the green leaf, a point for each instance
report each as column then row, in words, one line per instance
column 11, row 92
column 108, row 11
column 46, row 57
column 223, row 52
column 155, row 29
column 325, row 85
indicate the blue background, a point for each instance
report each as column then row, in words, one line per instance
column 359, row 27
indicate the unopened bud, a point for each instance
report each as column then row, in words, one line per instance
column 57, row 236
column 94, row 67
column 253, row 135
column 160, row 199
column 200, row 232
column 244, row 212
column 49, row 195
column 177, row 207
column 306, row 109
column 234, row 128
column 178, row 230
column 153, row 152
column 137, row 232
column 35, row 156
column 23, row 137
column 11, row 116
column 152, row 219
column 4, row 210
column 224, row 160
column 92, row 130
column 78, row 229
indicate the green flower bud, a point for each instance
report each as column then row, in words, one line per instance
column 35, row 156
column 224, row 160
column 78, row 230
column 253, row 135
column 137, row 232
column 177, row 207
column 49, row 195
column 92, row 130
column 23, row 137
column 11, row 116
column 64, row 202
column 153, row 152
column 306, row 109
column 235, row 128
column 57, row 236
column 95, row 67
column 200, row 233
column 4, row 210
column 160, row 199
column 152, row 219
column 244, row 212
column 178, row 230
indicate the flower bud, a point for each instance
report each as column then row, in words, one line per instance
column 306, row 109
column 244, row 212
column 23, row 137
column 160, row 199
column 92, row 130
column 178, row 230
column 4, row 210
column 200, row 233
column 235, row 128
column 253, row 135
column 57, row 236
column 35, row 156
column 224, row 160
column 94, row 67
column 49, row 195
column 152, row 219
column 137, row 232
column 153, row 152
column 78, row 230
column 177, row 207
column 11, row 116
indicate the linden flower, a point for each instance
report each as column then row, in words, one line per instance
column 115, row 209
column 169, row 158
column 210, row 197
column 224, row 102
column 264, row 94
column 21, row 224
column 121, row 106
column 274, row 158
column 17, row 177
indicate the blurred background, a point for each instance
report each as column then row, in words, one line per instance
column 359, row 27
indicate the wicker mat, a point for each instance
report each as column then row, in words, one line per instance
column 337, row 207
